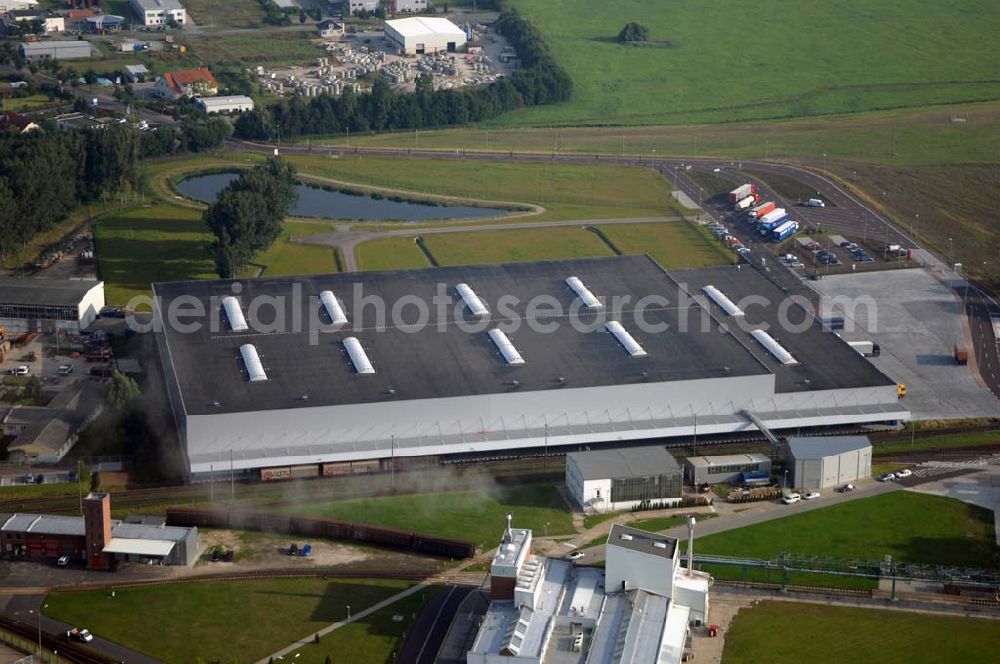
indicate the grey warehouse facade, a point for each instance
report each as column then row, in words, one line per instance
column 820, row 462
column 362, row 388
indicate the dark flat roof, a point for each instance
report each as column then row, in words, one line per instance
column 444, row 361
column 824, row 360
column 817, row 447
column 626, row 462
column 60, row 292
column 642, row 541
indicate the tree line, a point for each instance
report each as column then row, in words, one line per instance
column 539, row 81
column 246, row 217
column 46, row 173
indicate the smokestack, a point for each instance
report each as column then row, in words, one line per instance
column 507, row 535
column 691, row 522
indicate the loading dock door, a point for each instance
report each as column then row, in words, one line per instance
column 420, row 49
column 451, row 47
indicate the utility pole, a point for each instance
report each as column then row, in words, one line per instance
column 79, row 481
column 695, row 450
column 232, row 476
column 211, row 483
column 545, row 457
column 392, row 461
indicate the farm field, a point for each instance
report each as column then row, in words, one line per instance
column 949, row 532
column 250, row 48
column 697, row 68
column 673, row 244
column 956, row 134
column 204, row 622
column 567, row 191
column 862, row 635
column 232, row 14
column 472, row 515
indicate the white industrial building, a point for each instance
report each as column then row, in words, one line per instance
column 49, row 305
column 328, row 378
column 155, row 13
column 635, row 611
column 55, row 50
column 613, row 480
column 422, row 34
column 17, row 5
column 821, row 462
column 225, row 104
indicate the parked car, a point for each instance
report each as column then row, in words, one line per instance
column 62, row 561
column 293, row 550
column 847, row 488
column 791, row 498
column 576, row 555
column 77, row 634
column 22, row 370
column 305, row 550
column 810, row 495
column 815, row 202
column 887, row 477
column 65, row 369
column 905, row 472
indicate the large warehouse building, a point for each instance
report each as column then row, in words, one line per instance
column 49, row 305
column 284, row 393
column 821, row 462
column 613, row 480
column 421, row 34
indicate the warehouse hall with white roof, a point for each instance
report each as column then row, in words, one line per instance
column 492, row 379
column 417, row 35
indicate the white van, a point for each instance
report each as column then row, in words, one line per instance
column 791, row 498
column 815, row 202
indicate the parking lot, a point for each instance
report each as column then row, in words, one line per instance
column 916, row 320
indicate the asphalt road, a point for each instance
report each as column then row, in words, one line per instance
column 431, row 626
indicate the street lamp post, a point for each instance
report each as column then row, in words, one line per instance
column 950, row 246
column 348, row 611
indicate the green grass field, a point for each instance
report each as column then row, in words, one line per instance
column 567, row 191
column 296, row 48
column 210, row 14
column 736, row 61
column 848, row 635
column 159, row 243
column 391, row 253
column 673, row 244
column 529, row 244
column 957, row 134
column 218, row 621
column 926, row 441
column 472, row 515
column 911, row 527
column 372, row 640
column 286, row 257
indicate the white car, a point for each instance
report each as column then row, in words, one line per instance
column 22, row 370
column 906, row 472
column 887, row 477
column 576, row 555
column 815, row 202
column 63, row 561
column 810, row 495
column 791, row 499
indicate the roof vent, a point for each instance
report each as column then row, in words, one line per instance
column 584, row 293
column 660, row 545
column 776, row 349
column 472, row 300
column 505, row 347
column 626, row 537
column 720, row 299
column 358, row 356
column 333, row 308
column 255, row 370
column 234, row 314
column 632, row 346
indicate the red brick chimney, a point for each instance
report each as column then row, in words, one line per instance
column 97, row 526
